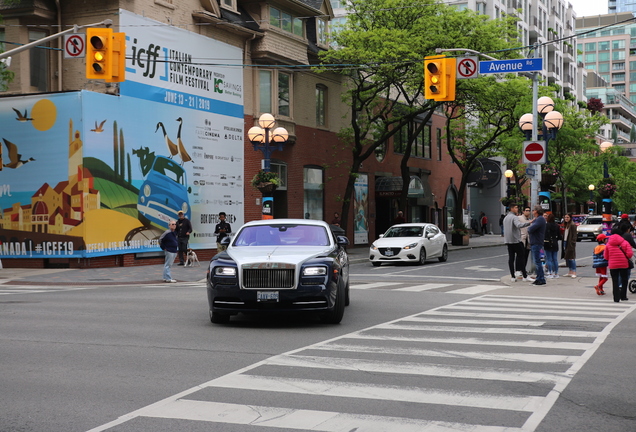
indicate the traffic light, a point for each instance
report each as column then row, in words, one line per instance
column 439, row 78
column 105, row 54
column 99, row 53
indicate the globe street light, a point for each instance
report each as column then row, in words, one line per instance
column 606, row 145
column 591, row 209
column 262, row 136
column 508, row 174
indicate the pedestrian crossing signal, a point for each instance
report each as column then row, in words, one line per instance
column 440, row 78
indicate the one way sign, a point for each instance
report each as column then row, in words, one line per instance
column 467, row 67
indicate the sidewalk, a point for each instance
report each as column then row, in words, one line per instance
column 151, row 274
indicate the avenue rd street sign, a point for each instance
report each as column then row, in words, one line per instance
column 509, row 66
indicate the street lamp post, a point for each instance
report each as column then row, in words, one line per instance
column 508, row 174
column 591, row 208
column 266, row 138
column 552, row 121
column 606, row 203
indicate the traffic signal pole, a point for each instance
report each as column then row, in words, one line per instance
column 7, row 54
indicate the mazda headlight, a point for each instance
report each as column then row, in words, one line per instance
column 410, row 246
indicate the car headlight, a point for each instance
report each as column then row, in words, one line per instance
column 147, row 190
column 314, row 271
column 410, row 246
column 225, row 271
column 184, row 207
column 374, row 247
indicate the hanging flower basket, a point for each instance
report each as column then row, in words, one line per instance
column 267, row 187
column 607, row 190
column 548, row 179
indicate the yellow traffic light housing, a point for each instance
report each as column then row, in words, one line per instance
column 105, row 54
column 440, row 74
column 99, row 53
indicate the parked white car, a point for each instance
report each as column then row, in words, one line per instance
column 591, row 227
column 411, row 242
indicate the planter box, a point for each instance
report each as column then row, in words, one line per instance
column 459, row 240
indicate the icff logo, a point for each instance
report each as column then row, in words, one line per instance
column 217, row 85
column 146, row 59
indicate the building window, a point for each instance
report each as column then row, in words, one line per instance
column 313, row 204
column 603, row 56
column 321, row 29
column 285, row 21
column 590, row 58
column 229, row 4
column 618, row 77
column 428, row 145
column 603, row 67
column 590, row 46
column 618, row 66
column 603, row 46
column 618, row 55
column 274, row 92
column 280, row 168
column 321, row 105
column 38, row 63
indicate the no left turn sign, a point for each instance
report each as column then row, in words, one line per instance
column 467, row 67
column 74, row 46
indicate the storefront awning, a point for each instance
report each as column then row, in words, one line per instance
column 392, row 187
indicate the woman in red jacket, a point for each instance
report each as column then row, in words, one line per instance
column 618, row 254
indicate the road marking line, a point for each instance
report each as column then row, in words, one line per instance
column 375, row 285
column 528, row 309
column 536, row 323
column 477, row 289
column 305, row 420
column 492, row 330
column 412, row 368
column 539, row 317
column 472, row 355
column 379, row 392
column 424, row 287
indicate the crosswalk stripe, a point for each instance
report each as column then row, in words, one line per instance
column 424, row 287
column 539, row 317
column 410, row 368
column 476, row 289
column 535, row 323
column 528, row 309
column 471, row 355
column 542, row 301
column 591, row 307
column 475, row 341
column 375, row 285
column 302, row 419
column 491, row 330
column 374, row 391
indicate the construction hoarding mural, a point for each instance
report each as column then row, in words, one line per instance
column 86, row 174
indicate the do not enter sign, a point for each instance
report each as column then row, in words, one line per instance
column 534, row 152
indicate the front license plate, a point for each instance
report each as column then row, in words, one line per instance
column 388, row 253
column 263, row 296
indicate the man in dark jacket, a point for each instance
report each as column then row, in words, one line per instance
column 184, row 228
column 169, row 243
column 536, row 234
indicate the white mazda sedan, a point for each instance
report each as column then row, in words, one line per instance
column 410, row 242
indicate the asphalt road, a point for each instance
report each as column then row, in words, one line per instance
column 445, row 346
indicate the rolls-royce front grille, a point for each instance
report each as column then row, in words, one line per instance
column 268, row 278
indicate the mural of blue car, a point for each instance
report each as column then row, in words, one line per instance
column 163, row 193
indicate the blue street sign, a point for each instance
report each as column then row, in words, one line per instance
column 509, row 66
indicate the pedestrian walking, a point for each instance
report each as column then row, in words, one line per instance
column 222, row 230
column 551, row 246
column 568, row 250
column 618, row 254
column 600, row 263
column 525, row 217
column 484, row 223
column 169, row 243
column 624, row 231
column 501, row 219
column 512, row 239
column 536, row 235
column 184, row 228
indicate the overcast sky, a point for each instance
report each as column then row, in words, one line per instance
column 589, row 7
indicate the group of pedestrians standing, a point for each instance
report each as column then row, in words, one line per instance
column 525, row 236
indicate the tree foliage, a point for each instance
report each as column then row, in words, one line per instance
column 380, row 51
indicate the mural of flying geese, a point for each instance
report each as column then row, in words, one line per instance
column 183, row 154
column 100, row 128
column 15, row 159
column 172, row 147
column 22, row 117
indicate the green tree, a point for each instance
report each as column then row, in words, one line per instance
column 380, row 51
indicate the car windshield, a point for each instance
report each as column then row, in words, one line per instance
column 594, row 221
column 277, row 235
column 578, row 219
column 404, row 232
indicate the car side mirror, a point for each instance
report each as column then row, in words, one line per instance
column 381, row 235
column 342, row 241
